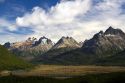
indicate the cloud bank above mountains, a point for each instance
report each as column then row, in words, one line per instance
column 77, row 18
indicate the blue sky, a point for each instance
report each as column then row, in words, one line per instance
column 20, row 19
column 10, row 9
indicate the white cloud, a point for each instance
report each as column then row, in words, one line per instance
column 62, row 13
column 77, row 18
column 6, row 24
column 60, row 20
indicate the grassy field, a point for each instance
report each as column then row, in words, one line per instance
column 67, row 74
column 68, row 71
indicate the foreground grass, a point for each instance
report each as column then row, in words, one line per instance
column 118, row 77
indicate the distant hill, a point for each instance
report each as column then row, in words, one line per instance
column 10, row 62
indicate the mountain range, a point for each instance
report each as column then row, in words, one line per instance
column 104, row 48
column 32, row 47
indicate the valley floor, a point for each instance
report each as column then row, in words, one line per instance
column 67, row 71
column 66, row 74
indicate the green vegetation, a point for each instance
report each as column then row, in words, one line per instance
column 90, row 78
column 10, row 62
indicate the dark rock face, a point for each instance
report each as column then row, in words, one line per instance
column 110, row 41
column 113, row 31
column 43, row 40
column 7, row 45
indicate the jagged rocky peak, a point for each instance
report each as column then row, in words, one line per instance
column 63, row 39
column 65, row 42
column 111, row 31
column 100, row 34
column 43, row 40
column 31, row 39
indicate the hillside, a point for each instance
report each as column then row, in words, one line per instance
column 9, row 62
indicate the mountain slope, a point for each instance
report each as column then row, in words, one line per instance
column 9, row 61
